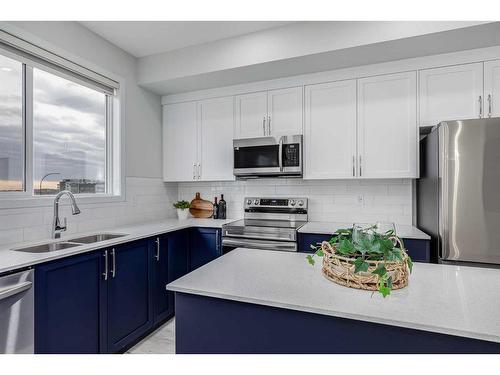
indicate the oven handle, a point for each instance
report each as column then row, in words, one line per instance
column 265, row 245
column 257, row 237
column 280, row 153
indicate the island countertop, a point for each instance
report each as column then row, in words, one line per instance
column 454, row 300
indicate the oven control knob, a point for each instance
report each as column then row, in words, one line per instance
column 301, row 203
column 256, row 202
column 249, row 202
column 292, row 203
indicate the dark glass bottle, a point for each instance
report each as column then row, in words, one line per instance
column 216, row 210
column 222, row 207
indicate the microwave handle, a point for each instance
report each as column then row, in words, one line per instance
column 280, row 154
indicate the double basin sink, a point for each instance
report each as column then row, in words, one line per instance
column 73, row 242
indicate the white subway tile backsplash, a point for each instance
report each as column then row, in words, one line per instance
column 329, row 200
column 149, row 199
column 146, row 199
column 11, row 236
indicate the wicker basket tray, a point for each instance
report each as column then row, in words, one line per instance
column 340, row 270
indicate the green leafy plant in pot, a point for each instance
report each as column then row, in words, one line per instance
column 363, row 258
column 182, row 209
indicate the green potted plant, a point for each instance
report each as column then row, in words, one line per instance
column 182, row 209
column 364, row 258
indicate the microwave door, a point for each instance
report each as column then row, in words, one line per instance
column 262, row 159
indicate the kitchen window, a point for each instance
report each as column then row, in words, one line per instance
column 11, row 125
column 57, row 129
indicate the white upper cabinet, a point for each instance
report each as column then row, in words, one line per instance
column 284, row 109
column 215, row 117
column 267, row 113
column 198, row 140
column 492, row 88
column 387, row 126
column 330, row 130
column 451, row 93
column 180, row 132
column 251, row 115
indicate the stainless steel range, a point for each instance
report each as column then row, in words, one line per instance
column 268, row 224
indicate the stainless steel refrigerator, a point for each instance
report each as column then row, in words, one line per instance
column 458, row 193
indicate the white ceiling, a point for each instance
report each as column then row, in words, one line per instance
column 143, row 38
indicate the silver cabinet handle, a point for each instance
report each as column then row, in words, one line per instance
column 106, row 265
column 194, row 171
column 268, row 125
column 489, row 105
column 113, row 269
column 280, row 154
column 264, row 125
column 480, row 106
column 353, row 166
column 157, row 256
column 16, row 289
column 360, row 170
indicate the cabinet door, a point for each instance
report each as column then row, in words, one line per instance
column 330, row 130
column 178, row 254
column 179, row 142
column 450, row 93
column 216, row 123
column 492, row 88
column 251, row 115
column 387, row 126
column 163, row 305
column 204, row 245
column 130, row 312
column 284, row 109
column 70, row 305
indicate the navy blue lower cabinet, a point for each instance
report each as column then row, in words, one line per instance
column 305, row 240
column 163, row 304
column 130, row 310
column 206, row 325
column 205, row 246
column 178, row 254
column 418, row 250
column 70, row 305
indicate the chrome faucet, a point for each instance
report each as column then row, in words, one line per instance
column 57, row 229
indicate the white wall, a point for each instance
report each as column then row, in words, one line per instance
column 306, row 47
column 329, row 200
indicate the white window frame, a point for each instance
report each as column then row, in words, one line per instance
column 115, row 186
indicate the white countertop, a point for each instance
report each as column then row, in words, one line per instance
column 11, row 260
column 324, row 227
column 455, row 300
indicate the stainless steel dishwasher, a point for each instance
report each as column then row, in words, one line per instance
column 17, row 312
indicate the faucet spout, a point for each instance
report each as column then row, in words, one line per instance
column 57, row 228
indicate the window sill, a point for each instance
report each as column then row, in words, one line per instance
column 21, row 201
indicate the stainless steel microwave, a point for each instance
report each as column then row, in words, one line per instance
column 279, row 156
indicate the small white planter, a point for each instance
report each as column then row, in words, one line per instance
column 182, row 214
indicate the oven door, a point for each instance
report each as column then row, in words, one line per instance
column 229, row 243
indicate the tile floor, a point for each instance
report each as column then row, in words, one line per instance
column 161, row 341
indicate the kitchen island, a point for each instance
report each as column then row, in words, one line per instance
column 254, row 301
